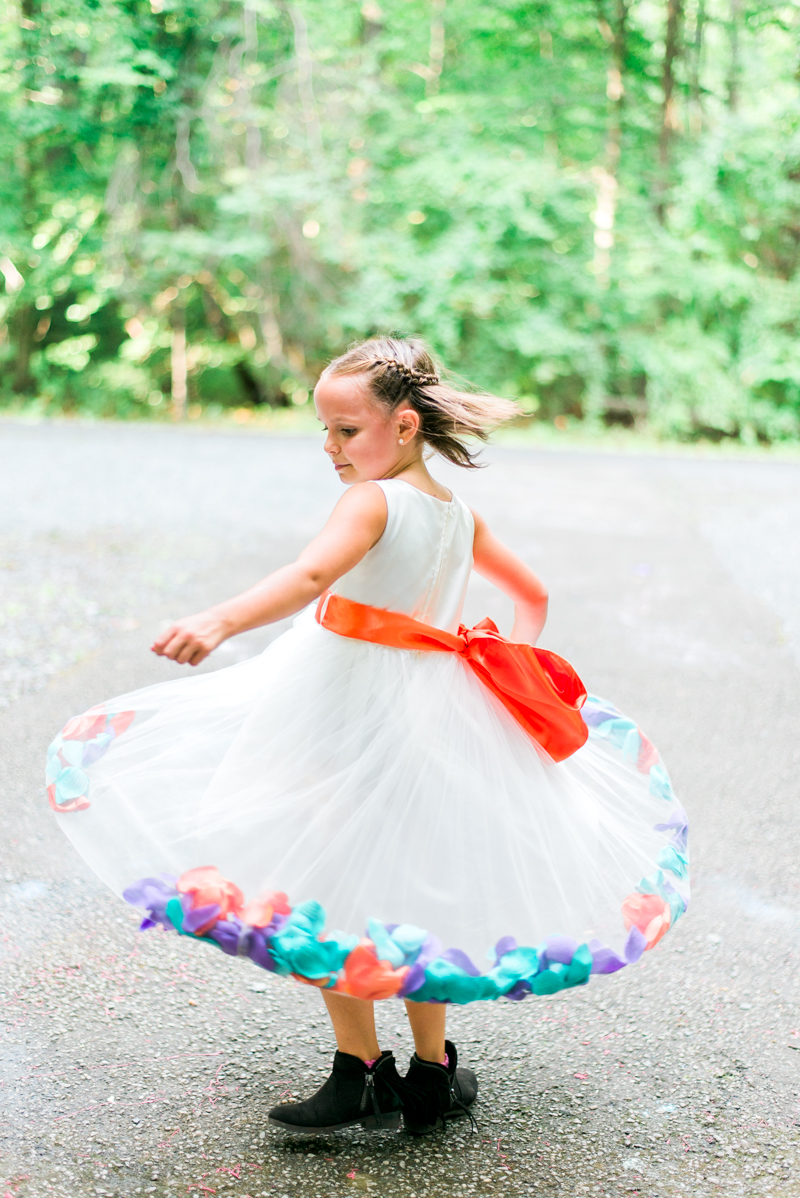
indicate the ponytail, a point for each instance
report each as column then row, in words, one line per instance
column 402, row 371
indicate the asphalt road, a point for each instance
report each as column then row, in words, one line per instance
column 140, row 1064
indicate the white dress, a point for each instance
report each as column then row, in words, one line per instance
column 422, row 842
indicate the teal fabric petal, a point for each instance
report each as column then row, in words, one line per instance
column 676, row 906
column 309, row 914
column 549, row 981
column 631, row 745
column 561, row 977
column 343, row 942
column 660, row 784
column 296, row 948
column 670, row 858
column 520, row 964
column 174, row 912
column 385, row 946
column 580, row 966
column 54, row 765
column 445, row 982
column 617, row 730
column 72, row 751
column 71, row 784
column 410, row 939
column 654, row 884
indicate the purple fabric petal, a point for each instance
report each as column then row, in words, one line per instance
column 560, row 949
column 605, row 960
column 197, row 916
column 257, row 951
column 456, row 957
column 597, row 715
column 506, row 944
column 227, row 935
column 95, row 749
column 679, row 821
column 634, row 946
column 519, row 990
column 147, row 922
column 413, row 980
column 149, row 892
column 431, row 949
column 275, row 925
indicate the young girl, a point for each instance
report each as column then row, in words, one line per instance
column 383, row 799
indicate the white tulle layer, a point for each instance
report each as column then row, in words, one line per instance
column 381, row 783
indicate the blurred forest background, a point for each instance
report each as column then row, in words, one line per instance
column 590, row 205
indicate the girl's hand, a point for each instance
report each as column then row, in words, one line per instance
column 190, row 640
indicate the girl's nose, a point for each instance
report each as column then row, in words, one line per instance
column 331, row 446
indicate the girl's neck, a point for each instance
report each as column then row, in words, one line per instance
column 417, row 475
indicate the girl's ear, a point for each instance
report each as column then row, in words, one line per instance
column 407, row 423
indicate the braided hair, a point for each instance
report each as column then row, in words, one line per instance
column 401, row 370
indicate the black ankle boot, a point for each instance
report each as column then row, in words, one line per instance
column 435, row 1093
column 352, row 1094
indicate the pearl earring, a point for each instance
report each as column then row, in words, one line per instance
column 400, row 442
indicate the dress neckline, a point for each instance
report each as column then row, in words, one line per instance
column 446, row 502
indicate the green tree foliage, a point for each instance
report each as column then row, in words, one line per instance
column 593, row 206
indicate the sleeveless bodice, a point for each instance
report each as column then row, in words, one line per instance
column 422, row 562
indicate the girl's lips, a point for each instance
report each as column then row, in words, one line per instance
column 340, row 465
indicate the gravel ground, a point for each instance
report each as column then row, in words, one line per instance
column 138, row 1064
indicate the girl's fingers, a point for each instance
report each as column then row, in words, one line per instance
column 187, row 651
column 181, row 645
column 160, row 643
column 174, row 646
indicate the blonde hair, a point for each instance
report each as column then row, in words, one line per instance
column 401, row 370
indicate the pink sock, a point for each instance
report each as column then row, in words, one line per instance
column 446, row 1061
column 369, row 1064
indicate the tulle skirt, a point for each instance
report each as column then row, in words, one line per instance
column 374, row 820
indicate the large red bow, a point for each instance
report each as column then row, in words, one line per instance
column 539, row 688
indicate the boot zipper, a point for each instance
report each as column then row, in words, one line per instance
column 369, row 1089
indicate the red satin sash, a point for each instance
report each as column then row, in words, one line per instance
column 539, row 688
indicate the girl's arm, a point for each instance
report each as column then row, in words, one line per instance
column 356, row 524
column 504, row 569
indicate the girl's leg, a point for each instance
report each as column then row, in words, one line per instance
column 353, row 1022
column 427, row 1024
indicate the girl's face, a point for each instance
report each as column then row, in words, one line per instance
column 364, row 437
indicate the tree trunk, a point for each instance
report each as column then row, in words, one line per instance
column 696, row 118
column 669, row 117
column 605, row 177
column 251, row 385
column 436, row 50
column 177, row 362
column 22, row 330
column 22, row 322
column 734, row 66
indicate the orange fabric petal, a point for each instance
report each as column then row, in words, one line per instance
column 367, row 977
column 322, row 983
column 206, row 885
column 276, row 899
column 650, row 913
column 258, row 913
column 122, row 720
column 648, row 754
column 279, row 901
column 83, row 727
column 79, row 804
